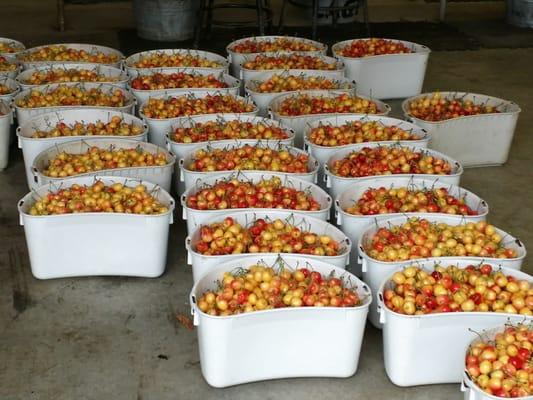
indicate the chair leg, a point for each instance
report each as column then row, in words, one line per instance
column 269, row 15
column 282, row 16
column 209, row 16
column 315, row 18
column 260, row 16
column 199, row 23
column 365, row 17
column 442, row 13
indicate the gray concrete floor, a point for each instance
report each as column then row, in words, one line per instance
column 101, row 338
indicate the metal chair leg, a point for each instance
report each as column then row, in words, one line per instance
column 365, row 17
column 315, row 18
column 260, row 16
column 282, row 16
column 61, row 15
column 199, row 24
column 209, row 16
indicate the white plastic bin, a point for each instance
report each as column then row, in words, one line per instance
column 338, row 184
column 247, row 75
column 283, row 332
column 476, row 140
column 430, row 349
column 25, row 114
column 300, row 122
column 323, row 153
column 89, row 48
column 129, row 63
column 31, row 147
column 389, row 76
column 263, row 100
column 6, row 119
column 10, row 74
column 88, row 244
column 159, row 128
column 374, row 271
column 117, row 76
column 520, row 13
column 143, row 95
column 11, row 84
column 191, row 177
column 159, row 175
column 15, row 43
column 202, row 264
column 196, row 217
column 236, row 59
column 355, row 225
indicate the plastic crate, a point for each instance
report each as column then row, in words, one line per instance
column 89, row 244
column 475, row 140
column 409, row 341
column 388, row 76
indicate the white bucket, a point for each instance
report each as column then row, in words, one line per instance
column 247, row 75
column 388, row 76
column 25, row 114
column 191, row 177
column 159, row 128
column 411, row 355
column 31, row 147
column 11, row 84
column 202, row 264
column 338, row 184
column 355, row 225
column 159, row 175
column 129, row 63
column 374, row 271
column 280, row 353
column 475, row 140
column 89, row 48
column 300, row 122
column 14, row 43
column 263, row 100
column 6, row 119
column 88, row 244
column 236, row 59
column 143, row 95
column 195, row 217
column 117, row 76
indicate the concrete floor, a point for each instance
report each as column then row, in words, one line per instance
column 98, row 338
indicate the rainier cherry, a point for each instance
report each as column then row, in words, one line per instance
column 115, row 127
column 65, row 95
column 305, row 104
column 62, row 75
column 373, row 47
column 175, row 80
column 289, row 61
column 273, row 45
column 502, row 367
column 288, row 83
column 161, row 59
column 64, row 53
column 6, row 66
column 414, row 290
column 261, row 287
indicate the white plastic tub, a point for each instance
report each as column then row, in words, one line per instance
column 280, row 352
column 476, row 140
column 25, row 114
column 196, row 218
column 324, row 153
column 430, row 349
column 182, row 150
column 143, row 95
column 159, row 128
column 10, row 74
column 338, row 184
column 11, row 84
column 89, row 48
column 236, row 59
column 374, row 271
column 389, row 76
column 191, row 177
column 355, row 225
column 300, row 122
column 263, row 100
column 31, row 147
column 6, row 119
column 159, row 175
column 133, row 71
column 202, row 264
column 88, row 244
column 247, row 75
column 14, row 43
column 117, row 75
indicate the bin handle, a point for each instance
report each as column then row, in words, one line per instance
column 194, row 314
column 181, row 162
column 338, row 215
column 35, row 174
column 380, row 309
column 21, row 220
column 188, row 247
column 183, row 206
